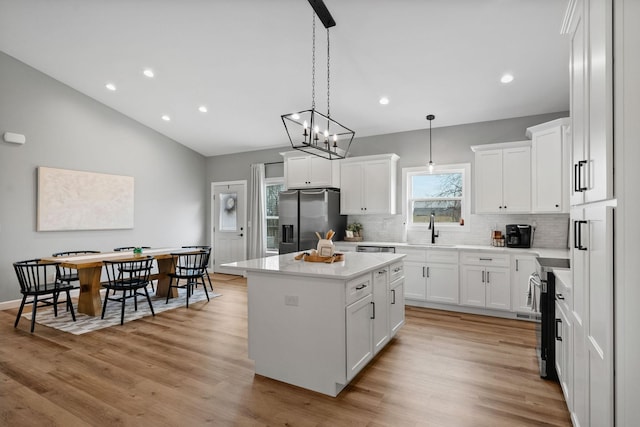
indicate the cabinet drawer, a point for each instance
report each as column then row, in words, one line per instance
column 413, row 254
column 485, row 258
column 358, row 288
column 396, row 271
column 443, row 257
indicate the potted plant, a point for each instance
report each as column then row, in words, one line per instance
column 355, row 229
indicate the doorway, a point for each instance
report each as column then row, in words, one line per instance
column 228, row 223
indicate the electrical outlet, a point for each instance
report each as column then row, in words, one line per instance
column 291, row 300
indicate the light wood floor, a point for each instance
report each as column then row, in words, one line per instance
column 190, row 368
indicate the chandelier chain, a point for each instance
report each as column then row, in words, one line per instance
column 313, row 65
column 328, row 74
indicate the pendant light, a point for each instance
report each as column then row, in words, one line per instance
column 430, row 117
column 309, row 130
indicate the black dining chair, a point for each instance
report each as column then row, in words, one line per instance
column 206, row 273
column 188, row 267
column 129, row 248
column 129, row 277
column 69, row 275
column 38, row 280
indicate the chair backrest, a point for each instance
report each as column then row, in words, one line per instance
column 128, row 272
column 191, row 263
column 129, row 248
column 206, row 248
column 34, row 275
column 71, row 253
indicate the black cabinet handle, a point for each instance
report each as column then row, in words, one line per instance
column 487, row 277
column 482, row 276
column 577, row 235
column 558, row 325
column 560, row 296
column 360, row 287
column 577, row 179
column 423, row 271
column 393, row 292
column 427, row 272
column 374, row 310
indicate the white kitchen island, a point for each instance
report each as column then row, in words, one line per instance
column 316, row 325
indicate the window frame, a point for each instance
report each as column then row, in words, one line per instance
column 465, row 214
column 279, row 180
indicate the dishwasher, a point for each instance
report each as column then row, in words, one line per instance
column 371, row 248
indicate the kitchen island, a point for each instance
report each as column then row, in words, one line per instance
column 316, row 325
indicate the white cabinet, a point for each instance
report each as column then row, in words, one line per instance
column 550, row 160
column 368, row 185
column 309, row 171
column 485, row 280
column 503, row 177
column 564, row 345
column 359, row 335
column 431, row 275
column 381, row 332
column 396, row 306
column 521, row 268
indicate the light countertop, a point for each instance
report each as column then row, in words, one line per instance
column 541, row 252
column 354, row 264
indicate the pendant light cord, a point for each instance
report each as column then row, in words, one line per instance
column 313, row 65
column 328, row 74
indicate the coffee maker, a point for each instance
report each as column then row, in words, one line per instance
column 518, row 235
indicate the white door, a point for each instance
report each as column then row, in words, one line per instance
column 516, row 179
column 442, row 283
column 498, row 288
column 228, row 223
column 488, row 181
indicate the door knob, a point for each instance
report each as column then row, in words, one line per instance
column 240, row 234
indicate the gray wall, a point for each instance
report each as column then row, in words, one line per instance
column 68, row 130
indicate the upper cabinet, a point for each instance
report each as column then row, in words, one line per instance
column 503, row 177
column 550, row 159
column 368, row 185
column 303, row 170
column 591, row 100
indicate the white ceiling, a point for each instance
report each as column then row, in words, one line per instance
column 249, row 61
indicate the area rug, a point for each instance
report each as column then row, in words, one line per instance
column 85, row 323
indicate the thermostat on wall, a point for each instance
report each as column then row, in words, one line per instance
column 16, row 138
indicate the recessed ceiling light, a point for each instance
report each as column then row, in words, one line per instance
column 166, row 118
column 384, row 100
column 203, row 109
column 110, row 86
column 507, row 78
column 148, row 72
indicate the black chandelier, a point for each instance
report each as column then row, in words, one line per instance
column 309, row 130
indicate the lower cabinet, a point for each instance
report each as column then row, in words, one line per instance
column 359, row 335
column 442, row 283
column 564, row 354
column 487, row 287
column 396, row 306
column 381, row 332
column 431, row 275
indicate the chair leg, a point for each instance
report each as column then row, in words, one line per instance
column 209, row 279
column 169, row 290
column 70, row 306
column 33, row 312
column 205, row 290
column 55, row 303
column 189, row 284
column 24, row 298
column 124, row 299
column 149, row 300
column 104, row 304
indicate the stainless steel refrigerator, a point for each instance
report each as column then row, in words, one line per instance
column 302, row 213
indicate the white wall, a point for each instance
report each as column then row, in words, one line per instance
column 66, row 129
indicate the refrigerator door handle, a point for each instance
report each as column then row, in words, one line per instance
column 312, row 191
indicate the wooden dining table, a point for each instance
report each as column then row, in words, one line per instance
column 89, row 268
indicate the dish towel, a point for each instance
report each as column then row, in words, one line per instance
column 532, row 297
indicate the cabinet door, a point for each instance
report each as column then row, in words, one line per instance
column 377, row 187
column 415, row 280
column 488, row 179
column 350, row 189
column 473, row 286
column 359, row 335
column 396, row 306
column 498, row 288
column 297, row 172
column 559, row 343
column 547, row 160
column 516, row 179
column 442, row 283
column 380, row 309
column 521, row 269
column 319, row 172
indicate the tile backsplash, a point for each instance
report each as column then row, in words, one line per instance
column 551, row 230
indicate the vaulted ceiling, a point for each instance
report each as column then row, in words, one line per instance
column 249, row 61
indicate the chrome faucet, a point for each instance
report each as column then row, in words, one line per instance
column 432, row 227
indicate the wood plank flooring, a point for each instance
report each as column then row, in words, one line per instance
column 190, row 368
